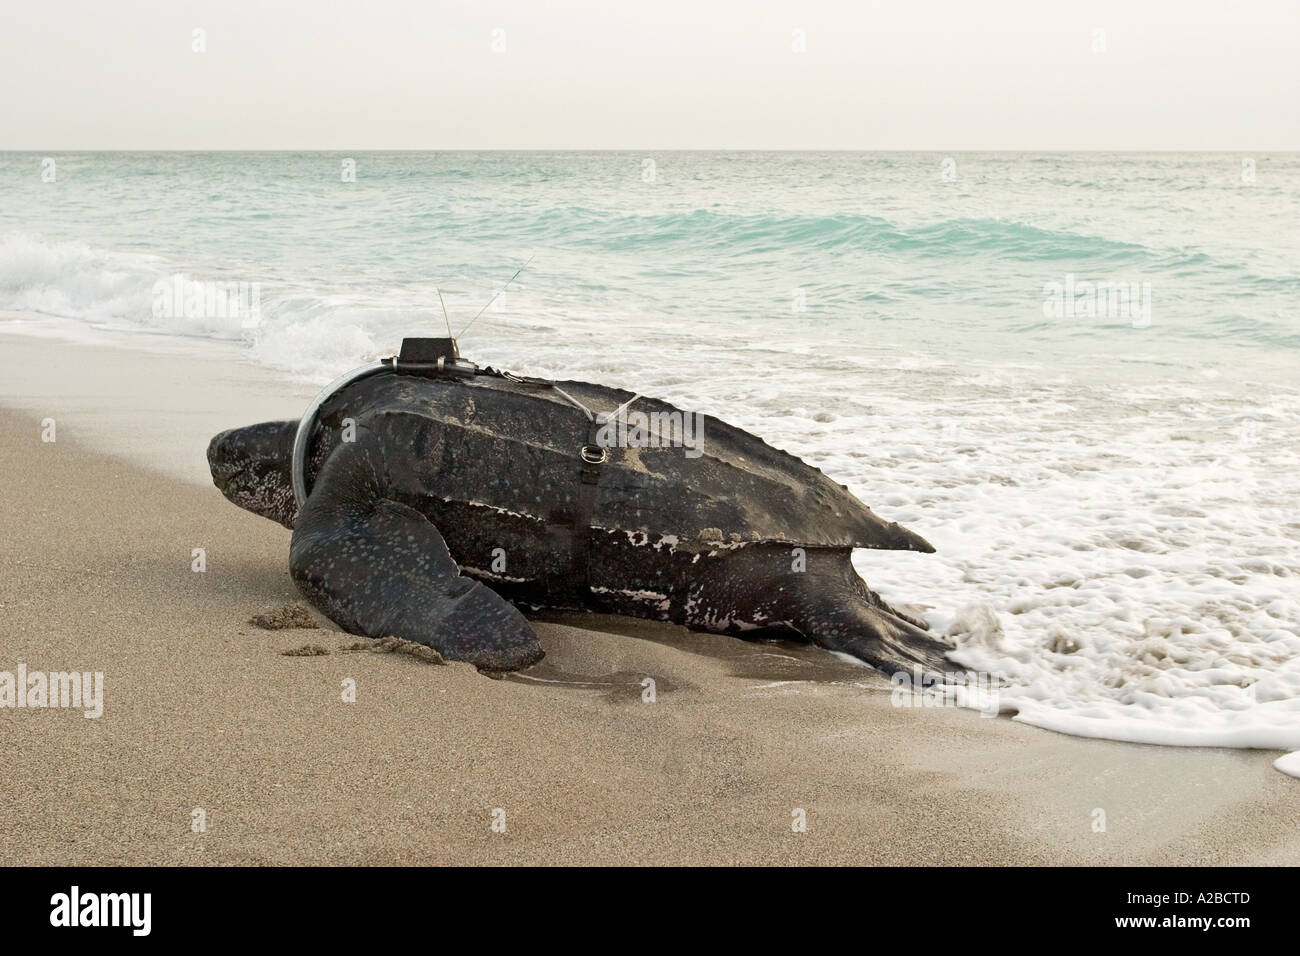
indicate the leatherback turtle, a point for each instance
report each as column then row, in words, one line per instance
column 430, row 498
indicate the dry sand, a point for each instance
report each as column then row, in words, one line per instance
column 204, row 711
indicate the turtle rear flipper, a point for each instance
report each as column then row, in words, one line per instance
column 887, row 642
column 377, row 567
column 835, row 609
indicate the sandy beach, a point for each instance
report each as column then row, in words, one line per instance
column 204, row 711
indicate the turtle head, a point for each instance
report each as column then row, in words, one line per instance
column 252, row 467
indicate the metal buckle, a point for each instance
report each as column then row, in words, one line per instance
column 590, row 456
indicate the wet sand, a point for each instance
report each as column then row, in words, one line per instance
column 204, row 711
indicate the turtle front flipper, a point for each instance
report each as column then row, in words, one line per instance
column 377, row 567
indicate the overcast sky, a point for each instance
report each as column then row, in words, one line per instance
column 650, row 74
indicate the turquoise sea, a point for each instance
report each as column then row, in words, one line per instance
column 942, row 254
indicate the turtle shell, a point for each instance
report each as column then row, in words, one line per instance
column 516, row 446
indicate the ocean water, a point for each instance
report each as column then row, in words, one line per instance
column 1111, row 477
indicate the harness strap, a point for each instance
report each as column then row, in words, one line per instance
column 593, row 457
